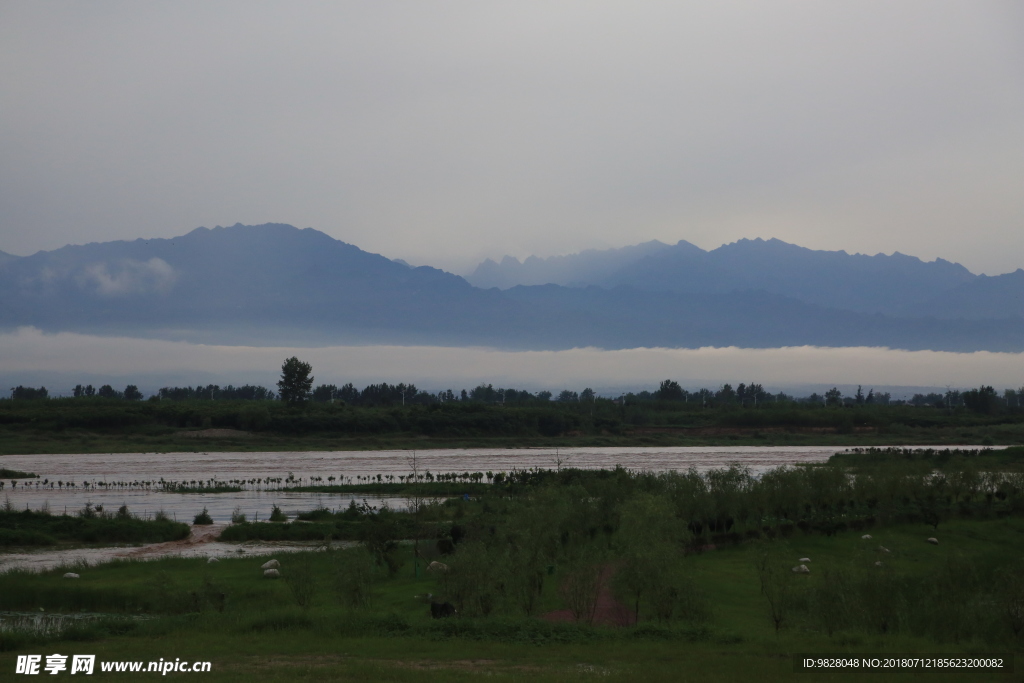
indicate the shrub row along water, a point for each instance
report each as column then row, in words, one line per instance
column 426, row 483
column 92, row 524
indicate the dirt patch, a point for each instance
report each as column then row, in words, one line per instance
column 607, row 612
column 200, row 535
column 215, row 434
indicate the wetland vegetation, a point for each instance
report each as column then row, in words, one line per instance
column 90, row 525
column 565, row 573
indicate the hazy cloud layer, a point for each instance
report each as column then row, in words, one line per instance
column 447, row 131
column 32, row 357
column 129, row 276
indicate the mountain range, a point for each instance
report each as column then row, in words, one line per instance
column 276, row 284
column 898, row 285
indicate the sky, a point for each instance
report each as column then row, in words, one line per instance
column 446, row 132
column 59, row 361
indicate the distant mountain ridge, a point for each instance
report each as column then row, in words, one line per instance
column 589, row 267
column 896, row 284
column 276, row 284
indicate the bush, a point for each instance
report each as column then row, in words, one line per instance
column 17, row 537
column 380, row 534
column 580, row 590
column 39, row 528
column 277, row 516
column 203, row 518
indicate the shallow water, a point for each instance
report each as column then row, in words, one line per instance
column 257, row 504
column 183, row 507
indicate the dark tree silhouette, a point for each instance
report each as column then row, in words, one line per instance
column 296, row 381
column 981, row 400
column 669, row 391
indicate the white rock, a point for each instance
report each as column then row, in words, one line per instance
column 866, row 537
column 933, row 541
column 272, row 564
column 72, row 575
column 437, row 567
column 804, row 559
column 882, row 549
column 271, row 574
column 878, row 564
column 211, row 560
column 802, row 569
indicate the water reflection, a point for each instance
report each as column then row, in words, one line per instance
column 120, row 470
column 183, row 507
column 96, row 469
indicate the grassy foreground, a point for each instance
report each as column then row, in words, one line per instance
column 257, row 630
column 904, row 553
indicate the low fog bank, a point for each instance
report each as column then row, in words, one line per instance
column 59, row 361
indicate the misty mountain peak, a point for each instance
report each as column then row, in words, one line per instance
column 586, row 267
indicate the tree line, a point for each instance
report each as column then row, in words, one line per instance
column 296, row 388
column 984, row 399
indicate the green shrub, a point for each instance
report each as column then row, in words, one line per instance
column 39, row 528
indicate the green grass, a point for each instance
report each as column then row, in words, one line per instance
column 16, row 474
column 262, row 634
column 28, row 528
column 1004, row 460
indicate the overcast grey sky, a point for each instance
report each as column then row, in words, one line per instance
column 443, row 132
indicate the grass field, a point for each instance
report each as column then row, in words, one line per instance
column 257, row 629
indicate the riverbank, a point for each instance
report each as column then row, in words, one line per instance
column 30, row 443
column 113, row 426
